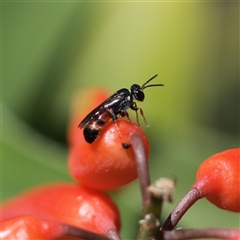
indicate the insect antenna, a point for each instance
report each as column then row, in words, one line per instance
column 152, row 85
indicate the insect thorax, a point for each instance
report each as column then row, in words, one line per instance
column 125, row 102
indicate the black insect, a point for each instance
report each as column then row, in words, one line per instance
column 115, row 105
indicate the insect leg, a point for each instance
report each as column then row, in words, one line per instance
column 141, row 111
column 114, row 117
column 125, row 114
column 135, row 108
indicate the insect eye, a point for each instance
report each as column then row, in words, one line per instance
column 137, row 92
column 139, row 95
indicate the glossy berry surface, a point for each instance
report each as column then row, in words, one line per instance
column 218, row 179
column 67, row 203
column 106, row 164
column 29, row 228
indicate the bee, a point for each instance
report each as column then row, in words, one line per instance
column 117, row 104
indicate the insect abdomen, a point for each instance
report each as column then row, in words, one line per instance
column 91, row 131
column 90, row 134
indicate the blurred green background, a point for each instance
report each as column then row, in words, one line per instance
column 50, row 49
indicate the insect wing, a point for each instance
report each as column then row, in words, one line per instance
column 113, row 100
column 96, row 112
column 104, row 106
column 93, row 115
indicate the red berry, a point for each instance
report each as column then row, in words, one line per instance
column 67, row 203
column 218, row 179
column 29, row 228
column 104, row 164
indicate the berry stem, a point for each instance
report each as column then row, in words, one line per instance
column 199, row 233
column 142, row 168
column 84, row 234
column 181, row 208
column 151, row 206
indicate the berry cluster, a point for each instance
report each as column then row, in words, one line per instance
column 84, row 211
